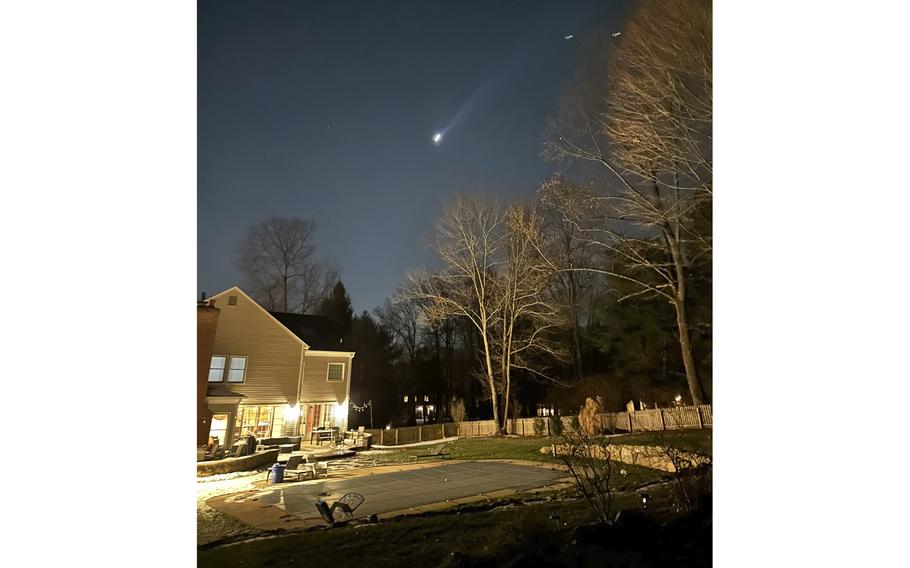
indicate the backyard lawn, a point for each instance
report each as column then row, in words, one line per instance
column 528, row 448
column 492, row 528
column 474, row 533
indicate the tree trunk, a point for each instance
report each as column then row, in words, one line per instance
column 682, row 323
column 695, row 389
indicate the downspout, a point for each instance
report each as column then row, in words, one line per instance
column 301, row 368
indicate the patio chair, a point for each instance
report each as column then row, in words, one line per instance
column 437, row 451
column 358, row 439
column 341, row 510
column 293, row 467
column 320, row 468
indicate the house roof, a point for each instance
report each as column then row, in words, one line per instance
column 218, row 390
column 318, row 332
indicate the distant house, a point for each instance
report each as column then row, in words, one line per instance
column 274, row 374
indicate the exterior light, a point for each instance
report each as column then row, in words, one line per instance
column 388, row 426
column 678, row 397
column 291, row 413
column 341, row 412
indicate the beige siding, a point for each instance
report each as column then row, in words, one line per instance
column 273, row 364
column 316, row 386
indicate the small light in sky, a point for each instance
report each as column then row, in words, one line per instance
column 568, row 36
column 437, row 138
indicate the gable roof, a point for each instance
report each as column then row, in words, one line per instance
column 319, row 332
column 263, row 310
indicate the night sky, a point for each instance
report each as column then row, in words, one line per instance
column 326, row 110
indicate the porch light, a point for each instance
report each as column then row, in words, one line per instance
column 291, row 413
column 341, row 412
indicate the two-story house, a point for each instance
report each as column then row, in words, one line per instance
column 274, row 374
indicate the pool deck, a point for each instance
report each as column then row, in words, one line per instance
column 389, row 491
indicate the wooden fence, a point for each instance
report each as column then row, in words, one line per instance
column 638, row 421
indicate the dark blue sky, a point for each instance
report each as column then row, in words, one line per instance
column 325, row 110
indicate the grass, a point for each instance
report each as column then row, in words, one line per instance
column 491, row 529
column 528, row 448
column 476, row 530
column 698, row 441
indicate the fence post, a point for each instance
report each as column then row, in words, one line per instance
column 663, row 425
column 420, row 433
column 630, row 422
column 701, row 423
column 396, row 436
column 382, row 437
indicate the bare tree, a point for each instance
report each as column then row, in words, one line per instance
column 279, row 261
column 494, row 276
column 529, row 313
column 651, row 133
column 469, row 241
column 572, row 289
column 402, row 316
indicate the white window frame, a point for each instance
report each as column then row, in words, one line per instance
column 328, row 372
column 223, row 369
column 246, row 364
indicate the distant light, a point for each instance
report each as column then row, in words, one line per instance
column 437, row 138
column 388, row 426
column 568, row 36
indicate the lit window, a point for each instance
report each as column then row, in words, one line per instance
column 216, row 370
column 237, row 370
column 426, row 398
column 336, row 372
column 405, row 398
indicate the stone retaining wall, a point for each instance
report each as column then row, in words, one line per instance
column 229, row 465
column 646, row 456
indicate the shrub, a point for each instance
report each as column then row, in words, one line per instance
column 556, row 426
column 588, row 460
column 457, row 411
column 539, row 426
column 588, row 418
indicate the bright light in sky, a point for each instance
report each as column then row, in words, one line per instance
column 437, row 138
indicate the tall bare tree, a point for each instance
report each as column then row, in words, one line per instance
column 529, row 313
column 649, row 128
column 494, row 276
column 278, row 260
column 469, row 242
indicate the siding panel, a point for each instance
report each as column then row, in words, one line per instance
column 273, row 362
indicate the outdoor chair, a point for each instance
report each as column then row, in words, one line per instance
column 292, row 467
column 341, row 510
column 437, row 451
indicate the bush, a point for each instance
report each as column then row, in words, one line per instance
column 539, row 427
column 556, row 426
column 588, row 460
column 588, row 418
column 457, row 411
